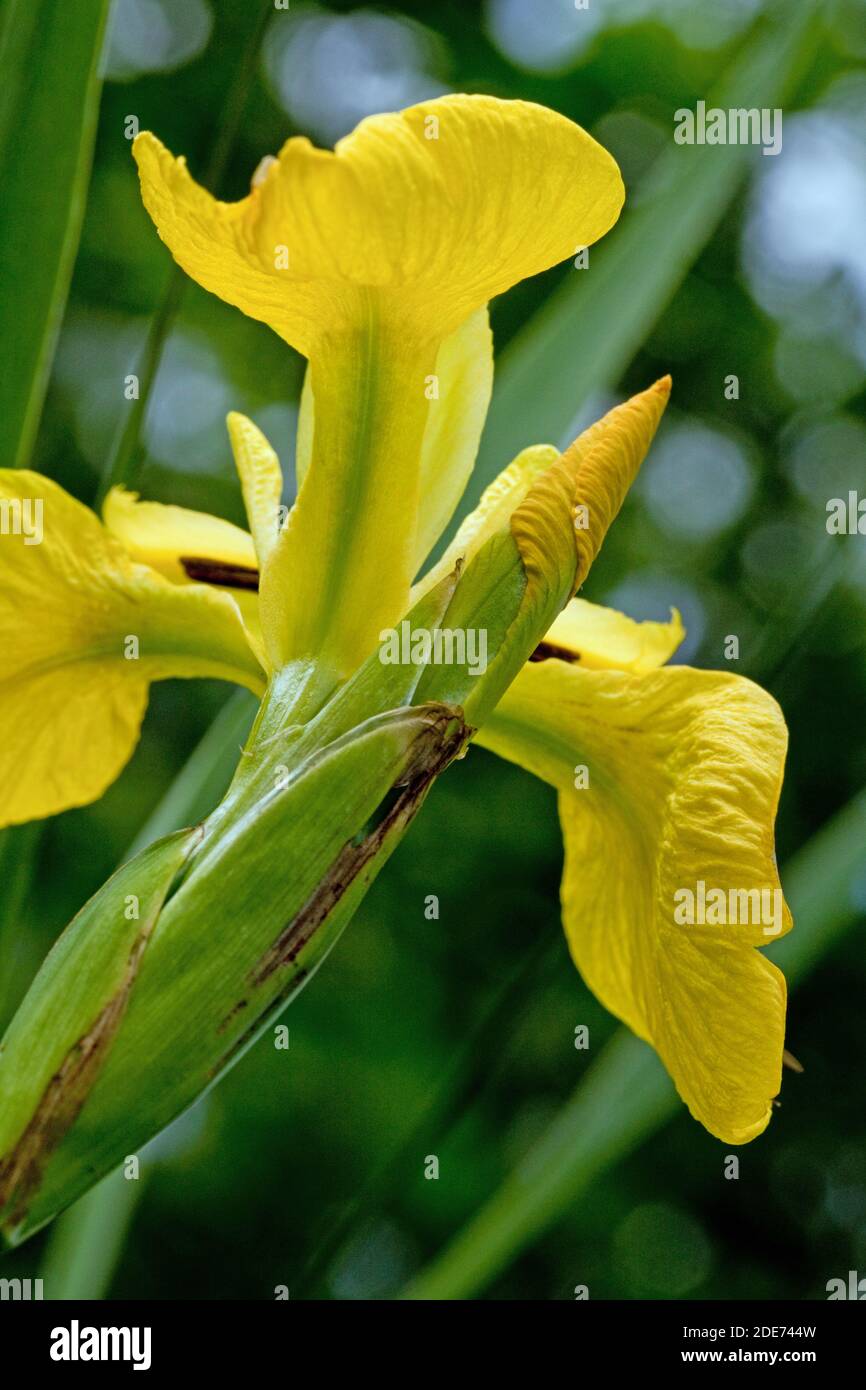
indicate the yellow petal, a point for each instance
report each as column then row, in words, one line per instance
column 84, row 629
column 459, row 394
column 342, row 565
column 605, row 460
column 175, row 540
column 261, row 482
column 602, row 639
column 493, row 513
column 455, row 420
column 463, row 384
column 435, row 210
column 684, row 772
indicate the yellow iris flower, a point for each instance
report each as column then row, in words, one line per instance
column 377, row 261
column 368, row 260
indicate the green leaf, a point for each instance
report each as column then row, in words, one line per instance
column 86, row 1242
column 49, row 55
column 137, row 1019
column 125, row 456
column 626, row 1095
column 589, row 330
column 56, row 1045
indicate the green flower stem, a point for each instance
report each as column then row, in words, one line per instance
column 147, row 1014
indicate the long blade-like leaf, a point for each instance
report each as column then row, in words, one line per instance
column 589, row 330
column 49, row 58
column 626, row 1095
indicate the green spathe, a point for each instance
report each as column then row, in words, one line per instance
column 236, row 916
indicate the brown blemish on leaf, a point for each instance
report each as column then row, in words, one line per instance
column 434, row 749
column 21, row 1170
column 437, row 745
column 22, row 1167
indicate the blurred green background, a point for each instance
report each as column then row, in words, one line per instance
column 454, row 1037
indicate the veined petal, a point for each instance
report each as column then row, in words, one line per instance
column 684, row 772
column 175, row 540
column 261, row 482
column 463, row 382
column 603, row 639
column 342, row 565
column 84, row 629
column 436, row 209
column 461, row 386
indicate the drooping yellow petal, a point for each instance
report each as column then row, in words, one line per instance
column 175, row 540
column 668, row 786
column 435, row 209
column 84, row 629
column 261, row 482
column 366, row 259
column 603, row 639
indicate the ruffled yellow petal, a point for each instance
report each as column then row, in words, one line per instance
column 435, row 210
column 684, row 770
column 602, row 639
column 367, row 259
column 261, row 482
column 84, row 629
column 179, row 542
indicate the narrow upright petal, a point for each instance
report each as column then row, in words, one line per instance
column 261, row 482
